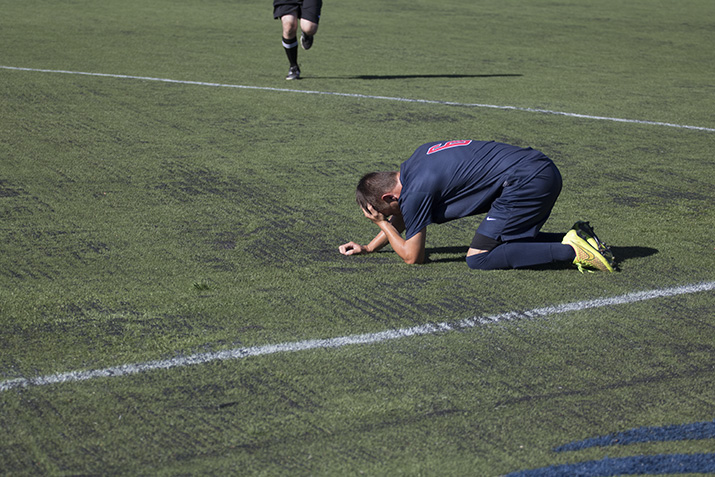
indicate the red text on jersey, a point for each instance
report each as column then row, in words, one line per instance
column 447, row 145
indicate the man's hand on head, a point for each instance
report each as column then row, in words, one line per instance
column 372, row 214
column 394, row 226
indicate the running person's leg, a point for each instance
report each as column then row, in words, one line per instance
column 288, row 12
column 309, row 19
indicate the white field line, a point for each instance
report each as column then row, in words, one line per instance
column 362, row 339
column 365, row 96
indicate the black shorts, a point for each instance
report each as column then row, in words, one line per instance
column 307, row 9
column 523, row 206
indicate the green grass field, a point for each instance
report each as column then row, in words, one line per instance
column 165, row 196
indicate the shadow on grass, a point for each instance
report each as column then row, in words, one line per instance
column 459, row 253
column 625, row 253
column 424, row 76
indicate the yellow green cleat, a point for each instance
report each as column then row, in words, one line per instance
column 588, row 257
column 586, row 232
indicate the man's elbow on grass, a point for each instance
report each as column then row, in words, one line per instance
column 414, row 260
column 413, row 249
column 412, row 256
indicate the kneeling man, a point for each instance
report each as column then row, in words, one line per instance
column 442, row 181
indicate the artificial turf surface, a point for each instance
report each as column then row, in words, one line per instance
column 144, row 220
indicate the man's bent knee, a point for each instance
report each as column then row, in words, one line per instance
column 477, row 260
column 479, row 250
column 482, row 243
column 475, row 251
column 308, row 27
column 290, row 25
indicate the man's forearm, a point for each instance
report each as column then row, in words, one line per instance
column 381, row 239
column 377, row 243
column 411, row 251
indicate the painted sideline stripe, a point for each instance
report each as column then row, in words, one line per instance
column 365, row 96
column 368, row 338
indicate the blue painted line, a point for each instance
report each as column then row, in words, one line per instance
column 694, row 431
column 663, row 464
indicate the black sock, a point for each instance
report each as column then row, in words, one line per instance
column 291, row 47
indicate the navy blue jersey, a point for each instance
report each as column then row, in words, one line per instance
column 448, row 180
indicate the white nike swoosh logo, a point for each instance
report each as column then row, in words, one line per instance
column 491, row 218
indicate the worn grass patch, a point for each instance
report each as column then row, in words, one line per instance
column 144, row 220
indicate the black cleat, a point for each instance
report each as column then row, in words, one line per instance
column 293, row 73
column 306, row 41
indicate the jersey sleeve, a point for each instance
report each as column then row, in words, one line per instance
column 416, row 208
